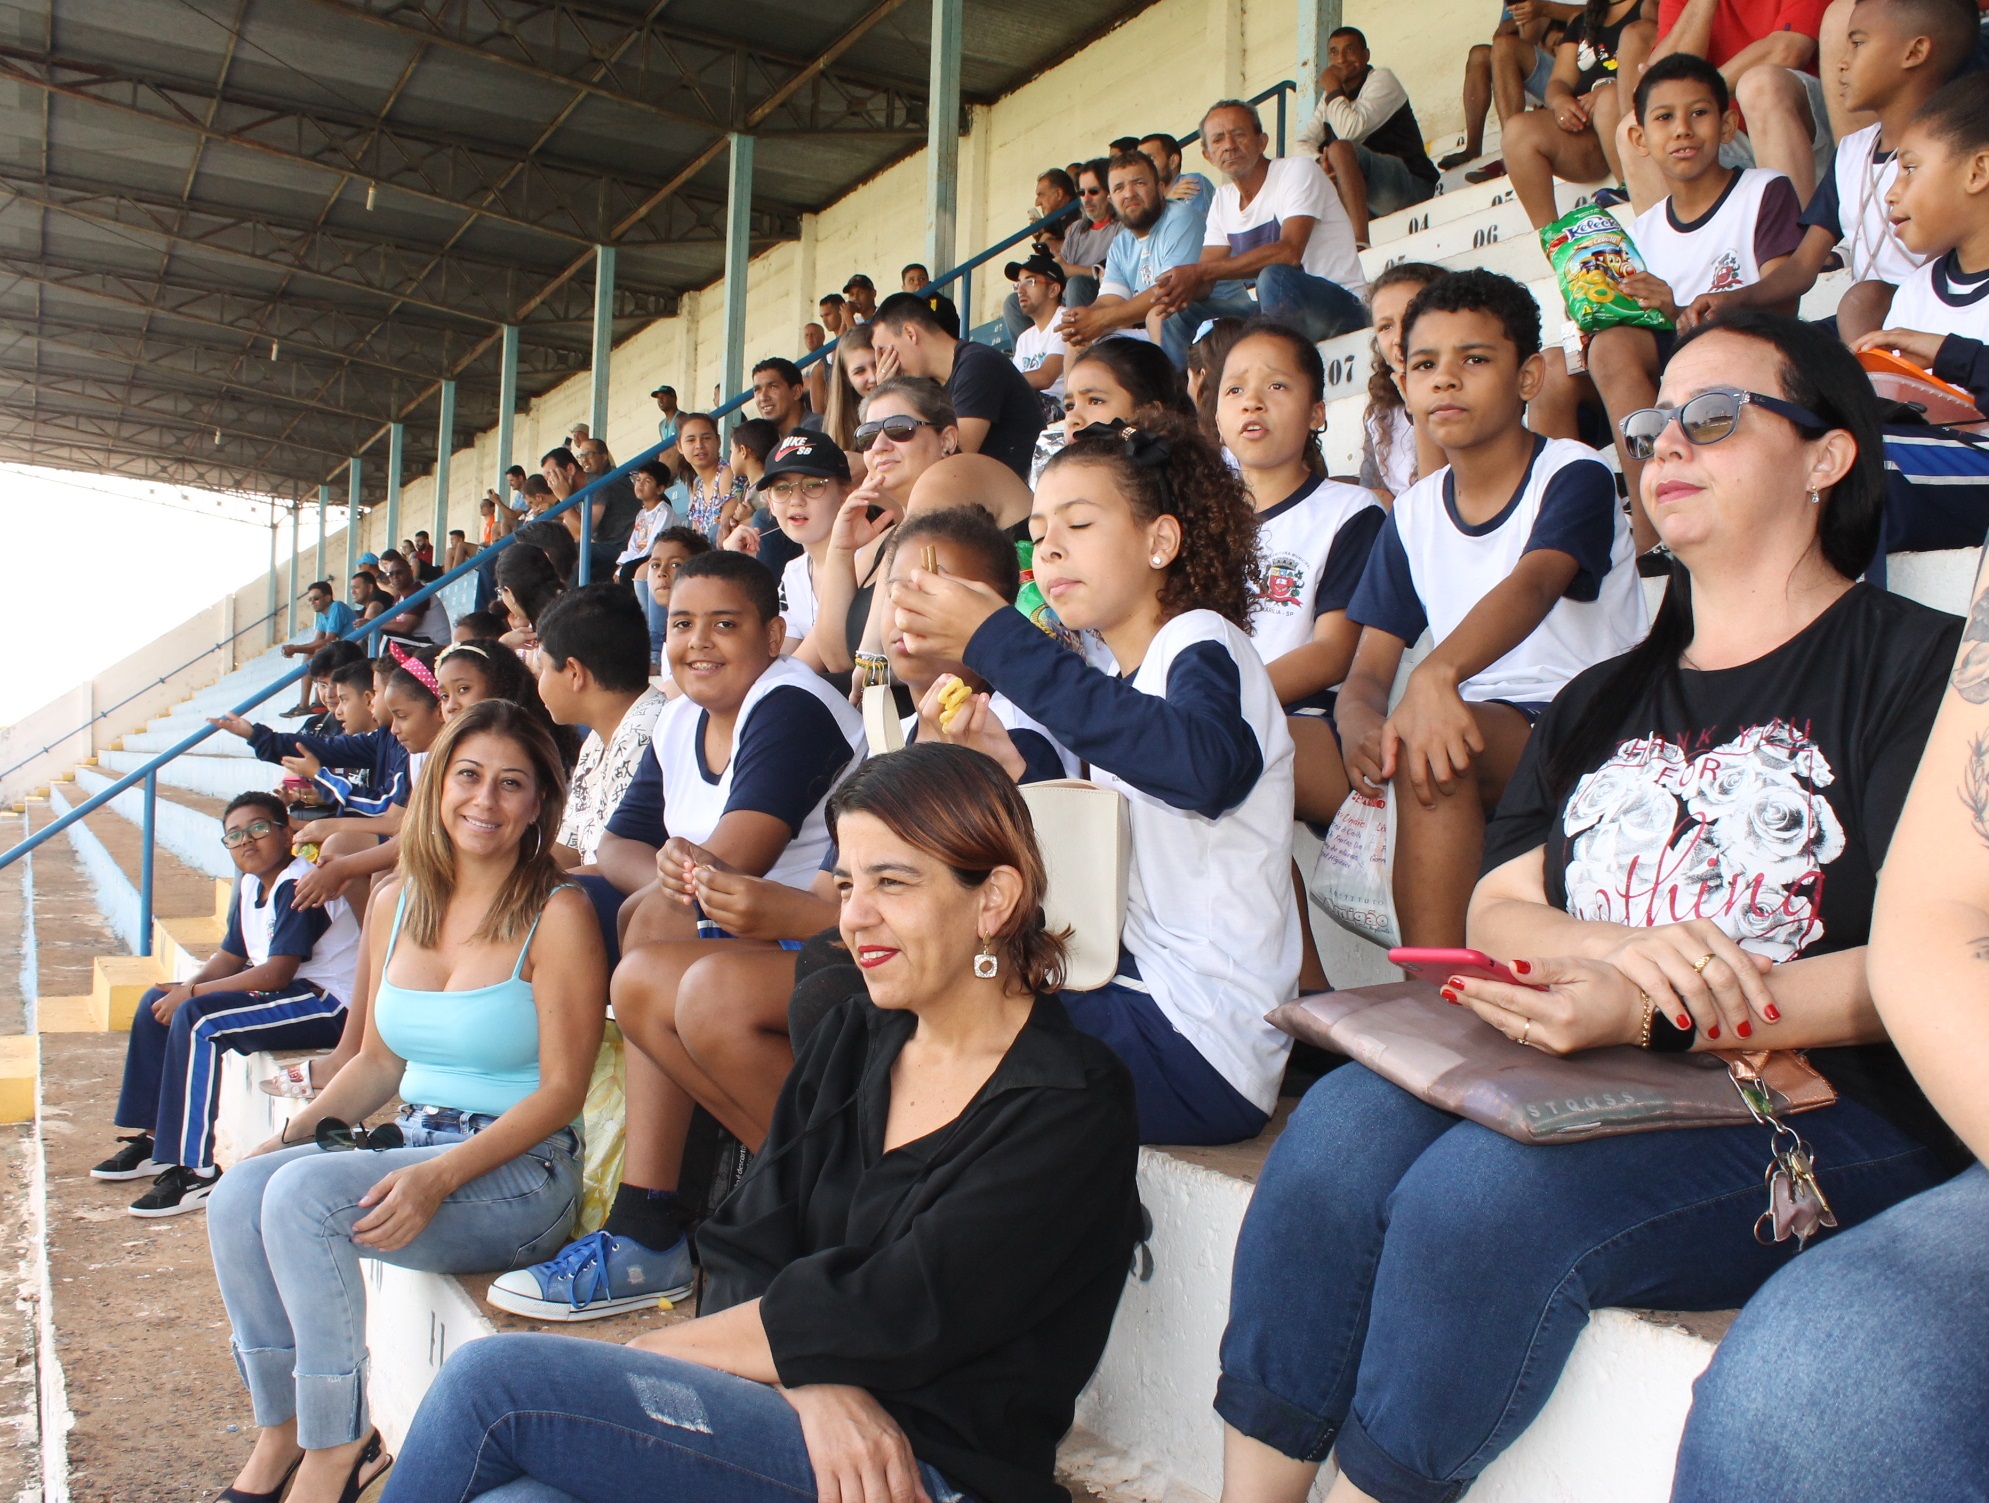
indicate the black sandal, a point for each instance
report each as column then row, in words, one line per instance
column 236, row 1495
column 374, row 1450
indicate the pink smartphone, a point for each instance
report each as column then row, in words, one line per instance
column 1438, row 966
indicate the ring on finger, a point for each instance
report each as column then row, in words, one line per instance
column 1699, row 965
column 1525, row 1029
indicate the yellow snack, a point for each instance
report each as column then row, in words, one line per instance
column 952, row 700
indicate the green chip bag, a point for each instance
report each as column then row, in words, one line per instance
column 1591, row 254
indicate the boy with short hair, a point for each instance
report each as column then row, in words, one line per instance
column 1901, row 52
column 1719, row 229
column 280, row 981
column 352, row 702
column 1517, row 559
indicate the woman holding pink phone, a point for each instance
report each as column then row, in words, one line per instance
column 1685, row 859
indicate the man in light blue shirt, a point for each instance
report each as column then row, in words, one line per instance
column 1188, row 188
column 1156, row 234
column 331, row 619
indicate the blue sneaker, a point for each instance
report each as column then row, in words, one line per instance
column 598, row 1276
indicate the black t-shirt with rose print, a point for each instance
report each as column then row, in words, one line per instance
column 1761, row 797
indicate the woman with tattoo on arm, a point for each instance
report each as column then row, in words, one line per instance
column 1859, row 1372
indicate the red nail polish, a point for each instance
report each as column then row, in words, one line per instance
column 1451, row 997
column 1685, row 1022
column 1713, row 1032
column 1771, row 1013
column 1455, row 983
column 1744, row 1028
column 1521, row 968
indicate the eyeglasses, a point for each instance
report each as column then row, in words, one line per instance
column 334, row 1136
column 1707, row 418
column 899, row 429
column 254, row 830
column 814, row 488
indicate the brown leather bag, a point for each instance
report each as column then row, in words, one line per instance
column 1451, row 1058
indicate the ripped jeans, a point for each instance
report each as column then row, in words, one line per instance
column 560, row 1419
column 280, row 1229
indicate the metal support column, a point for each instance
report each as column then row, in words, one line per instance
column 269, row 601
column 738, row 251
column 604, row 338
column 355, row 514
column 147, row 850
column 942, row 140
column 445, row 450
column 1317, row 21
column 507, row 407
column 296, row 547
column 323, row 568
column 396, row 436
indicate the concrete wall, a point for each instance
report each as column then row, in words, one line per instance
column 1157, row 71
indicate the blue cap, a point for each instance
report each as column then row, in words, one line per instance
column 369, row 558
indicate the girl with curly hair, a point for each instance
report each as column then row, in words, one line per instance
column 1145, row 537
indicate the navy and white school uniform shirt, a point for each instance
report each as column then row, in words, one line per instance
column 1196, row 741
column 1315, row 545
column 1850, row 203
column 1430, row 569
column 793, row 742
column 1755, row 221
column 1044, row 759
column 324, row 941
column 1941, row 298
column 365, row 774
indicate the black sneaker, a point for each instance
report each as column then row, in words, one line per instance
column 133, row 1161
column 178, row 1189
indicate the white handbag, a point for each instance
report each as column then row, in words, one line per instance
column 1085, row 835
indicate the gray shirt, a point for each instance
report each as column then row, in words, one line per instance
column 1086, row 244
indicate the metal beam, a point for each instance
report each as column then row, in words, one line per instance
column 507, row 405
column 324, row 506
column 575, row 201
column 355, row 512
column 604, row 339
column 445, row 451
column 110, row 419
column 296, row 547
column 396, row 437
column 942, row 142
column 739, row 193
column 269, row 600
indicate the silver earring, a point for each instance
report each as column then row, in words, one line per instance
column 985, row 963
column 1814, row 497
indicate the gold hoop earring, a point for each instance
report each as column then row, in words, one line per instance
column 986, row 964
column 538, row 843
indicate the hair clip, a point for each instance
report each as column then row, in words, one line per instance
column 417, row 670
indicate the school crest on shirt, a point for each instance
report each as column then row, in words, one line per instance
column 1284, row 579
column 1740, row 834
column 1726, row 272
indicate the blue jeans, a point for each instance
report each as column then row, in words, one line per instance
column 1317, row 308
column 553, row 1419
column 1409, row 1285
column 1859, row 1372
column 172, row 1071
column 280, row 1229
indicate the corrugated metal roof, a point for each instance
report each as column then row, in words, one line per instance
column 374, row 187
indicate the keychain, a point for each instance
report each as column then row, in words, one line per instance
column 1796, row 1203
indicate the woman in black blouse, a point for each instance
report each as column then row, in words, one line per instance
column 927, row 1253
column 1686, row 856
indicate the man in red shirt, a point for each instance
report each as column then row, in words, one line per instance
column 1767, row 50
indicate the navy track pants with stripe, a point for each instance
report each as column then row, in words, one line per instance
column 172, row 1071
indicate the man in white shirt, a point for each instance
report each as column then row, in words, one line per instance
column 1275, row 222
column 1039, row 348
column 1367, row 129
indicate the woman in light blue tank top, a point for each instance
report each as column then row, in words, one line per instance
column 489, row 986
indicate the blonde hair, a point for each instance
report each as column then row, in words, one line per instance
column 428, row 855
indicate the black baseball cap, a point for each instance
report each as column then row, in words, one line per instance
column 1042, row 266
column 663, row 389
column 859, row 280
column 806, row 452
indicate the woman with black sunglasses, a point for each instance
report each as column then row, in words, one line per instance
column 1685, row 860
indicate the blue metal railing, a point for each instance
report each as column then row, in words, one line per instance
column 147, row 774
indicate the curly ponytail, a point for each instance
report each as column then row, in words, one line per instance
column 1165, row 467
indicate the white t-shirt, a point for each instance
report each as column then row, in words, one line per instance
column 1754, row 222
column 1394, row 470
column 1314, row 544
column 797, row 599
column 1032, row 347
column 1939, row 299
column 1294, row 186
column 260, row 922
column 648, row 522
column 1428, row 570
column 1850, row 202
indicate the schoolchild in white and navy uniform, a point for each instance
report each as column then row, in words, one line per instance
column 793, row 742
column 1936, row 483
column 172, row 1071
column 1849, row 202
column 1429, row 569
column 1196, row 741
column 1757, row 220
column 1315, row 545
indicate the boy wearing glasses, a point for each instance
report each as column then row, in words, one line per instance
column 280, row 981
column 1515, row 557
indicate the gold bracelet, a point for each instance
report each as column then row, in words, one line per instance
column 1650, row 1016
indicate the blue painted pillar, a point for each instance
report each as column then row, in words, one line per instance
column 942, row 140
column 738, row 252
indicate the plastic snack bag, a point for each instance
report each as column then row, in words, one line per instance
column 1591, row 255
column 1353, row 879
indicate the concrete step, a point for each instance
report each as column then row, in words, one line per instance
column 187, row 824
column 220, row 744
column 201, row 771
column 1456, row 240
column 110, row 850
